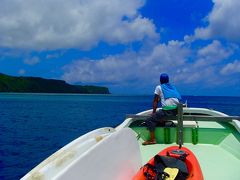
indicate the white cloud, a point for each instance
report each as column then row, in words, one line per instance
column 129, row 67
column 224, row 21
column 52, row 24
column 231, row 68
column 10, row 53
column 206, row 64
column 185, row 66
column 212, row 53
column 21, row 72
column 32, row 61
column 53, row 56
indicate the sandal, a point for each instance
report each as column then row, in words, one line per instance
column 149, row 142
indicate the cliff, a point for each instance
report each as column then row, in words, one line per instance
column 41, row 85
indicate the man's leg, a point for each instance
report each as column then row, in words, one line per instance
column 172, row 112
column 152, row 139
column 151, row 127
column 151, row 124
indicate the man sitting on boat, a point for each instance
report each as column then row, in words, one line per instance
column 169, row 99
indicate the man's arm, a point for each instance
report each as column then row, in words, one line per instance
column 155, row 103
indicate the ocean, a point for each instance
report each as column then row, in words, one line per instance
column 33, row 126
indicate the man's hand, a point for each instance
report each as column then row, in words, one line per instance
column 155, row 103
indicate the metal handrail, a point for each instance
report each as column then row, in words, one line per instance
column 190, row 117
column 180, row 118
column 180, row 125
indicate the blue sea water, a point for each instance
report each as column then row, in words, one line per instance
column 33, row 126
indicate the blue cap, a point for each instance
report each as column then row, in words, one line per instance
column 164, row 78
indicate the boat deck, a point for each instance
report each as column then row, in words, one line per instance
column 216, row 147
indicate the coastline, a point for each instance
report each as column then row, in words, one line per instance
column 110, row 94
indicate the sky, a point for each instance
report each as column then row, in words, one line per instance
column 125, row 44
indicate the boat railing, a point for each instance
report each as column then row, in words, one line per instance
column 180, row 124
column 180, row 117
column 190, row 117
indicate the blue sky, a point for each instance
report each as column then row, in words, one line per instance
column 125, row 44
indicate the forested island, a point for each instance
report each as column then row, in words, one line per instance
column 40, row 85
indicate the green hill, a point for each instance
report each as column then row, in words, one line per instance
column 40, row 85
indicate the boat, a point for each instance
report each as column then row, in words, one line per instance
column 108, row 153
